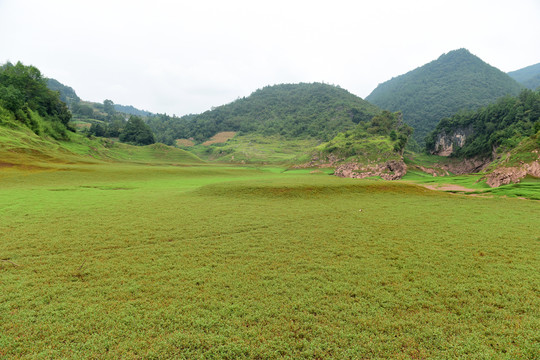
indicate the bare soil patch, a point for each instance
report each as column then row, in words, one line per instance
column 184, row 142
column 447, row 187
column 220, row 138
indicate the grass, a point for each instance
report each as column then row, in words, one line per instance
column 20, row 146
column 257, row 149
column 157, row 261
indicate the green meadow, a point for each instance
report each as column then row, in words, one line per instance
column 149, row 260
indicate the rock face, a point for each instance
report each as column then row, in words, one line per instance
column 507, row 175
column 447, row 143
column 467, row 166
column 390, row 170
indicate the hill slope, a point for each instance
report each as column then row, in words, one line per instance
column 456, row 80
column 528, row 76
column 289, row 110
column 506, row 132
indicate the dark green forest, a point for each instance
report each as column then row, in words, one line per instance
column 26, row 100
column 504, row 123
column 291, row 110
column 455, row 81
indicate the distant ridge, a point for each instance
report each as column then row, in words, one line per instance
column 69, row 96
column 129, row 109
column 302, row 110
column 456, row 80
column 528, row 76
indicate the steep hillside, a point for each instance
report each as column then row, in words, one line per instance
column 26, row 101
column 290, row 110
column 456, row 80
column 528, row 76
column 507, row 132
column 67, row 94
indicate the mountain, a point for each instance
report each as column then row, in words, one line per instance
column 290, row 110
column 129, row 109
column 67, row 94
column 81, row 108
column 456, row 80
column 528, row 76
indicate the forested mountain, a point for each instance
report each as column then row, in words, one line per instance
column 131, row 110
column 88, row 109
column 25, row 100
column 290, row 110
column 456, row 80
column 503, row 124
column 528, row 76
column 67, row 94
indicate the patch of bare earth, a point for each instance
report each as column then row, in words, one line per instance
column 447, row 187
column 219, row 138
column 184, row 142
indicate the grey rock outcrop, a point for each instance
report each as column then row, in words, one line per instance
column 390, row 170
column 446, row 144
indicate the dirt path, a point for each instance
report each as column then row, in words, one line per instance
column 447, row 187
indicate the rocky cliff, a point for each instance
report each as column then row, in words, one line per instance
column 390, row 170
column 504, row 175
column 446, row 144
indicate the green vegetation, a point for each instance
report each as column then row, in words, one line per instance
column 67, row 94
column 455, row 81
column 502, row 125
column 384, row 137
column 316, row 111
column 26, row 100
column 258, row 149
column 528, row 76
column 22, row 148
column 111, row 251
column 137, row 132
column 217, row 262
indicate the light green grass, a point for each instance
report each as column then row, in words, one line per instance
column 257, row 149
column 159, row 262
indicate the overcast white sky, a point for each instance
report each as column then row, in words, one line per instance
column 182, row 57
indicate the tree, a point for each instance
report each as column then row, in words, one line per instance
column 108, row 107
column 137, row 132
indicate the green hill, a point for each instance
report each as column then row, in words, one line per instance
column 25, row 100
column 315, row 110
column 528, row 76
column 456, row 80
column 36, row 127
column 382, row 138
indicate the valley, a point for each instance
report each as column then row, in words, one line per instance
column 299, row 222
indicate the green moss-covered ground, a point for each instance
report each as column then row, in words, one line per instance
column 158, row 261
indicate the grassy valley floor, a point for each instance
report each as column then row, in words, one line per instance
column 154, row 261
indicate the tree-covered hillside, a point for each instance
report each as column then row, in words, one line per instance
column 25, row 100
column 502, row 124
column 67, row 94
column 456, row 80
column 290, row 110
column 384, row 136
column 528, row 76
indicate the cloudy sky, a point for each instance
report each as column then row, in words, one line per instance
column 181, row 57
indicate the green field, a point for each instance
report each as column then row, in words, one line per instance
column 156, row 261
